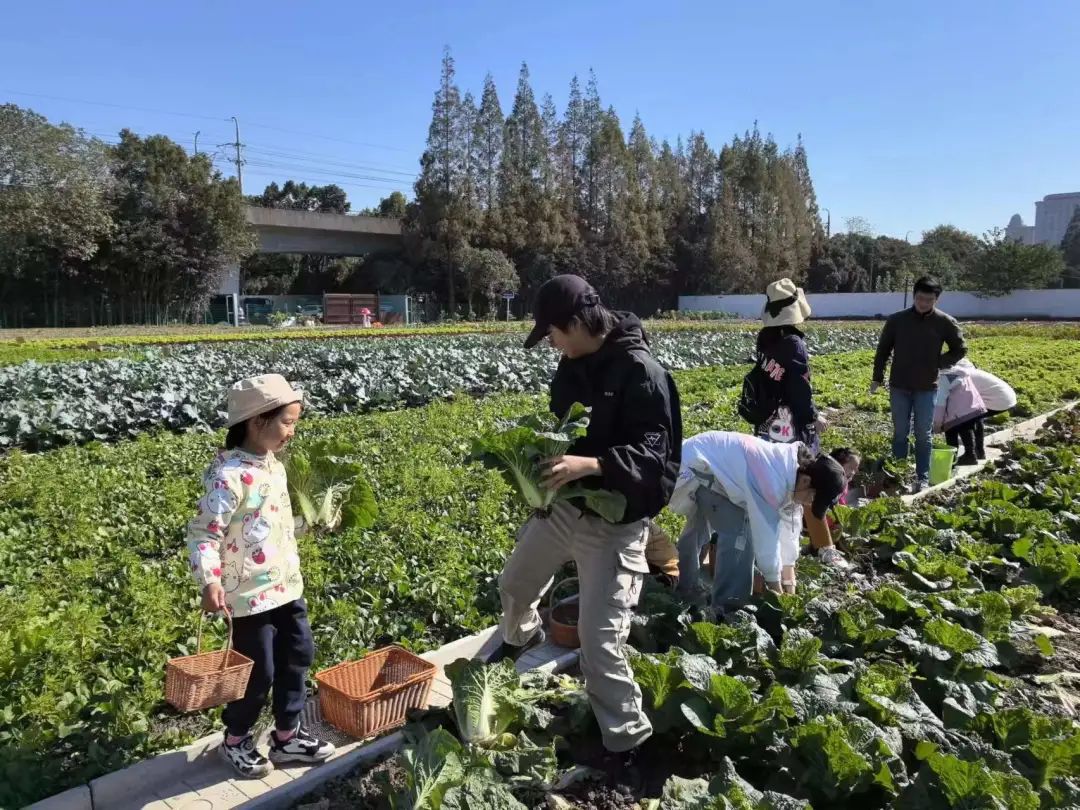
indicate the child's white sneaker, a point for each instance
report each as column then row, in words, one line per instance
column 300, row 747
column 245, row 758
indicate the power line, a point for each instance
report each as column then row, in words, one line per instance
column 291, row 155
column 334, row 174
column 327, row 161
column 204, row 118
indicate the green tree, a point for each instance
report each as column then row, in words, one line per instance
column 1070, row 247
column 1002, row 265
column 525, row 215
column 328, row 199
column 948, row 250
column 395, row 205
column 179, row 226
column 53, row 215
column 489, row 273
column 269, row 273
column 488, row 136
column 442, row 220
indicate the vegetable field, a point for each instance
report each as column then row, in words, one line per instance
column 923, row 679
column 95, row 595
column 180, row 388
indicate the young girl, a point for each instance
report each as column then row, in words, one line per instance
column 850, row 460
column 244, row 558
column 958, row 407
column 997, row 396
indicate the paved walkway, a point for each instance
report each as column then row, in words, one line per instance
column 195, row 778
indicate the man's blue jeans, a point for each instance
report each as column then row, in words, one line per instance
column 905, row 406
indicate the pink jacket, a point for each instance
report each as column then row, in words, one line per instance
column 957, row 401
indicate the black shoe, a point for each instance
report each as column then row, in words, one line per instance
column 980, row 454
column 967, row 460
column 300, row 747
column 621, row 768
column 513, row 651
column 245, row 758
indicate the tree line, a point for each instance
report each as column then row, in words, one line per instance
column 137, row 232
column 646, row 220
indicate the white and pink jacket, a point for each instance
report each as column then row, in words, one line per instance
column 243, row 536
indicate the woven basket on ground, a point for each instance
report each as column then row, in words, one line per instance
column 204, row 680
column 373, row 694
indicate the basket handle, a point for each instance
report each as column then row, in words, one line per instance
column 555, row 587
column 228, row 638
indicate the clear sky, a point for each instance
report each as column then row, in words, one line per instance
column 914, row 113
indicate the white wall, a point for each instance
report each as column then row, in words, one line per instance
column 1019, row 304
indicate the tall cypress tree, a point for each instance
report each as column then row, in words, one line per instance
column 438, row 219
column 489, row 139
column 524, row 154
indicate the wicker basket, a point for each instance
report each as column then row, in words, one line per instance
column 204, row 680
column 563, row 618
column 373, row 694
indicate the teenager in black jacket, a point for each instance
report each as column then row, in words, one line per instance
column 633, row 446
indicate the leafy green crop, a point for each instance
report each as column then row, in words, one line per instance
column 328, row 487
column 519, row 450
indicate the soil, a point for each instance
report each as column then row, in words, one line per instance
column 596, row 796
column 366, row 792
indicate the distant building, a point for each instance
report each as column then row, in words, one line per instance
column 1052, row 216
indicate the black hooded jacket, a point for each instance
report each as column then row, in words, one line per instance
column 635, row 428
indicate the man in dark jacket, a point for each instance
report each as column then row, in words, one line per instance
column 914, row 339
column 633, row 446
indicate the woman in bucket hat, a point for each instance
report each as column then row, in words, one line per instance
column 781, row 380
column 244, row 557
column 785, row 365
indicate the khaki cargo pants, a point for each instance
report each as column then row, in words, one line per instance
column 611, row 565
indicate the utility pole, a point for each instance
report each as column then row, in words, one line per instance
column 239, row 162
column 197, row 142
column 907, row 274
column 828, row 223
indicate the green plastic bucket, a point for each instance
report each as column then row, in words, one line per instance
column 941, row 461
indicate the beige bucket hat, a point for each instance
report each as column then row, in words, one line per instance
column 786, row 305
column 259, row 395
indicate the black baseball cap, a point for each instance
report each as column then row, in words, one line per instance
column 557, row 301
column 828, row 480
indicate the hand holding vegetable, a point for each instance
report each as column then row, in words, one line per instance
column 531, row 453
column 562, row 470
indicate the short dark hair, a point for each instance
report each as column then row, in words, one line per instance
column 237, row 434
column 846, row 454
column 595, row 319
column 928, row 284
column 827, row 479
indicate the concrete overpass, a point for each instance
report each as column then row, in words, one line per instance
column 283, row 230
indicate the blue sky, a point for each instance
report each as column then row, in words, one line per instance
column 913, row 113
